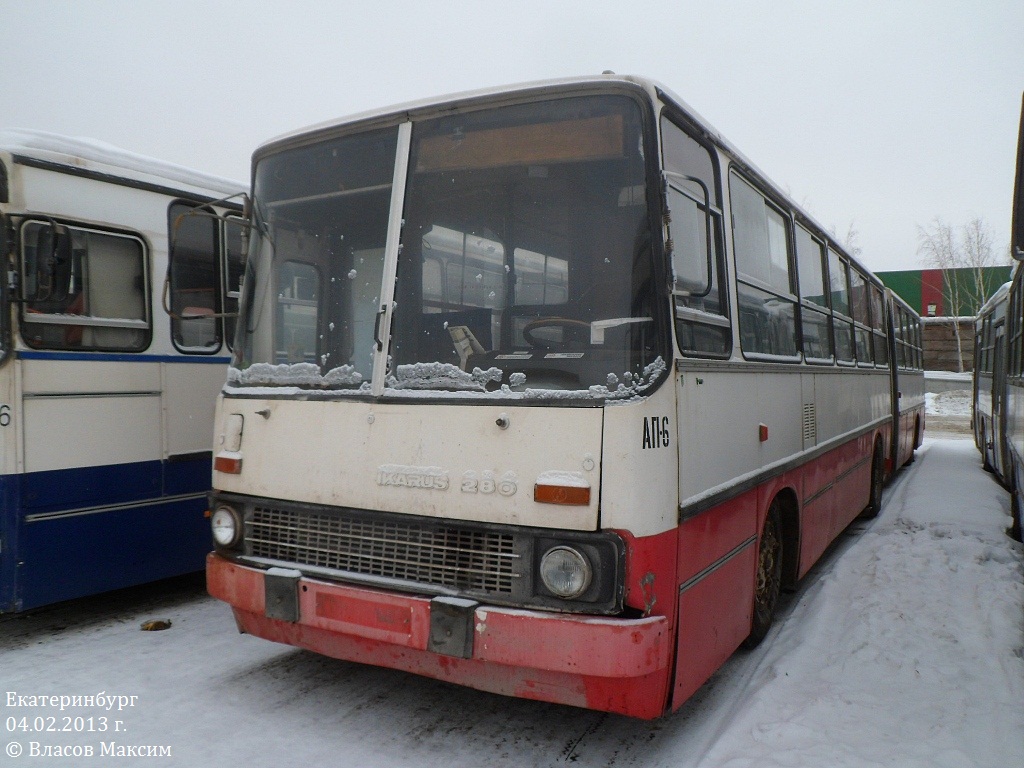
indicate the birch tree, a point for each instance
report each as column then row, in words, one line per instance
column 962, row 253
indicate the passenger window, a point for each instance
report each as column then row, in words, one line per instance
column 194, row 274
column 765, row 288
column 694, row 235
column 839, row 291
column 879, row 327
column 816, row 321
column 861, row 316
column 83, row 289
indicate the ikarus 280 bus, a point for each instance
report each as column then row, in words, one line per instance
column 544, row 390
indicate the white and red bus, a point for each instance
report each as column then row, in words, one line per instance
column 547, row 391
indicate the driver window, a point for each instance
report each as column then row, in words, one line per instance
column 703, row 328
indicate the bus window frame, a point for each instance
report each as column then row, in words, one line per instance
column 743, row 279
column 84, row 321
column 716, row 243
column 203, row 210
column 806, row 305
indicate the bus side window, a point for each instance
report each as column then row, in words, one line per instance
column 194, row 271
column 879, row 332
column 703, row 328
column 83, row 289
column 861, row 317
column 816, row 321
column 839, row 288
column 763, row 277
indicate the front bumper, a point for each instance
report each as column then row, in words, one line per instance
column 609, row 664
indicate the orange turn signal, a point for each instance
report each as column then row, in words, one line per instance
column 230, row 464
column 561, row 494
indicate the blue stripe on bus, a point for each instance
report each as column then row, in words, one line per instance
column 67, row 557
column 76, row 532
column 113, row 357
column 60, row 490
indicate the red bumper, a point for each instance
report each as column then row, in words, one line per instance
column 615, row 665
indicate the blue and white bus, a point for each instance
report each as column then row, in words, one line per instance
column 106, row 400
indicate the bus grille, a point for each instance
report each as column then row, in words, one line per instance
column 415, row 550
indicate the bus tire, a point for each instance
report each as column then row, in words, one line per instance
column 985, row 463
column 917, row 441
column 877, row 479
column 768, row 578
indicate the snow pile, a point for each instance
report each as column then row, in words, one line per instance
column 443, row 377
column 956, row 402
column 293, row 375
column 82, row 151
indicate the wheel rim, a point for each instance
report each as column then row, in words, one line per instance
column 769, row 568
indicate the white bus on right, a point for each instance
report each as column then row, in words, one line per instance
column 1014, row 362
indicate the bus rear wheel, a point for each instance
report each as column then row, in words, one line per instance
column 877, row 479
column 768, row 581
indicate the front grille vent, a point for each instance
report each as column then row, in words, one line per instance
column 415, row 550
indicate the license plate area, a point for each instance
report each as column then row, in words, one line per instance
column 281, row 594
column 451, row 626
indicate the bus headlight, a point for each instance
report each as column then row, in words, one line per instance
column 565, row 572
column 226, row 526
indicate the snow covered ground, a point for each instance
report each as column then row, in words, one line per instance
column 903, row 647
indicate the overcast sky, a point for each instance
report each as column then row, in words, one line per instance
column 877, row 115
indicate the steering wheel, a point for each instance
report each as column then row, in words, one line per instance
column 550, row 322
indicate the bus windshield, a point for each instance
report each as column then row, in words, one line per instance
column 525, row 266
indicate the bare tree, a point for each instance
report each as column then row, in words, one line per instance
column 963, row 254
column 850, row 241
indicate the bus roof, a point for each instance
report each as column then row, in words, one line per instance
column 90, row 155
column 499, row 94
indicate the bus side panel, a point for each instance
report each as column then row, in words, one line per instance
column 717, row 559
column 9, row 529
column 189, row 396
column 65, row 557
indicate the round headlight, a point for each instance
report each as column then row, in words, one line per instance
column 565, row 572
column 226, row 526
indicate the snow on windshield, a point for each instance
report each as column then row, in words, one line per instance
column 433, row 379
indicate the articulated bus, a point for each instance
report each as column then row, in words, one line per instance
column 988, row 411
column 106, row 401
column 546, row 391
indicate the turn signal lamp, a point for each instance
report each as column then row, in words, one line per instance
column 228, row 462
column 553, row 492
column 561, row 494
